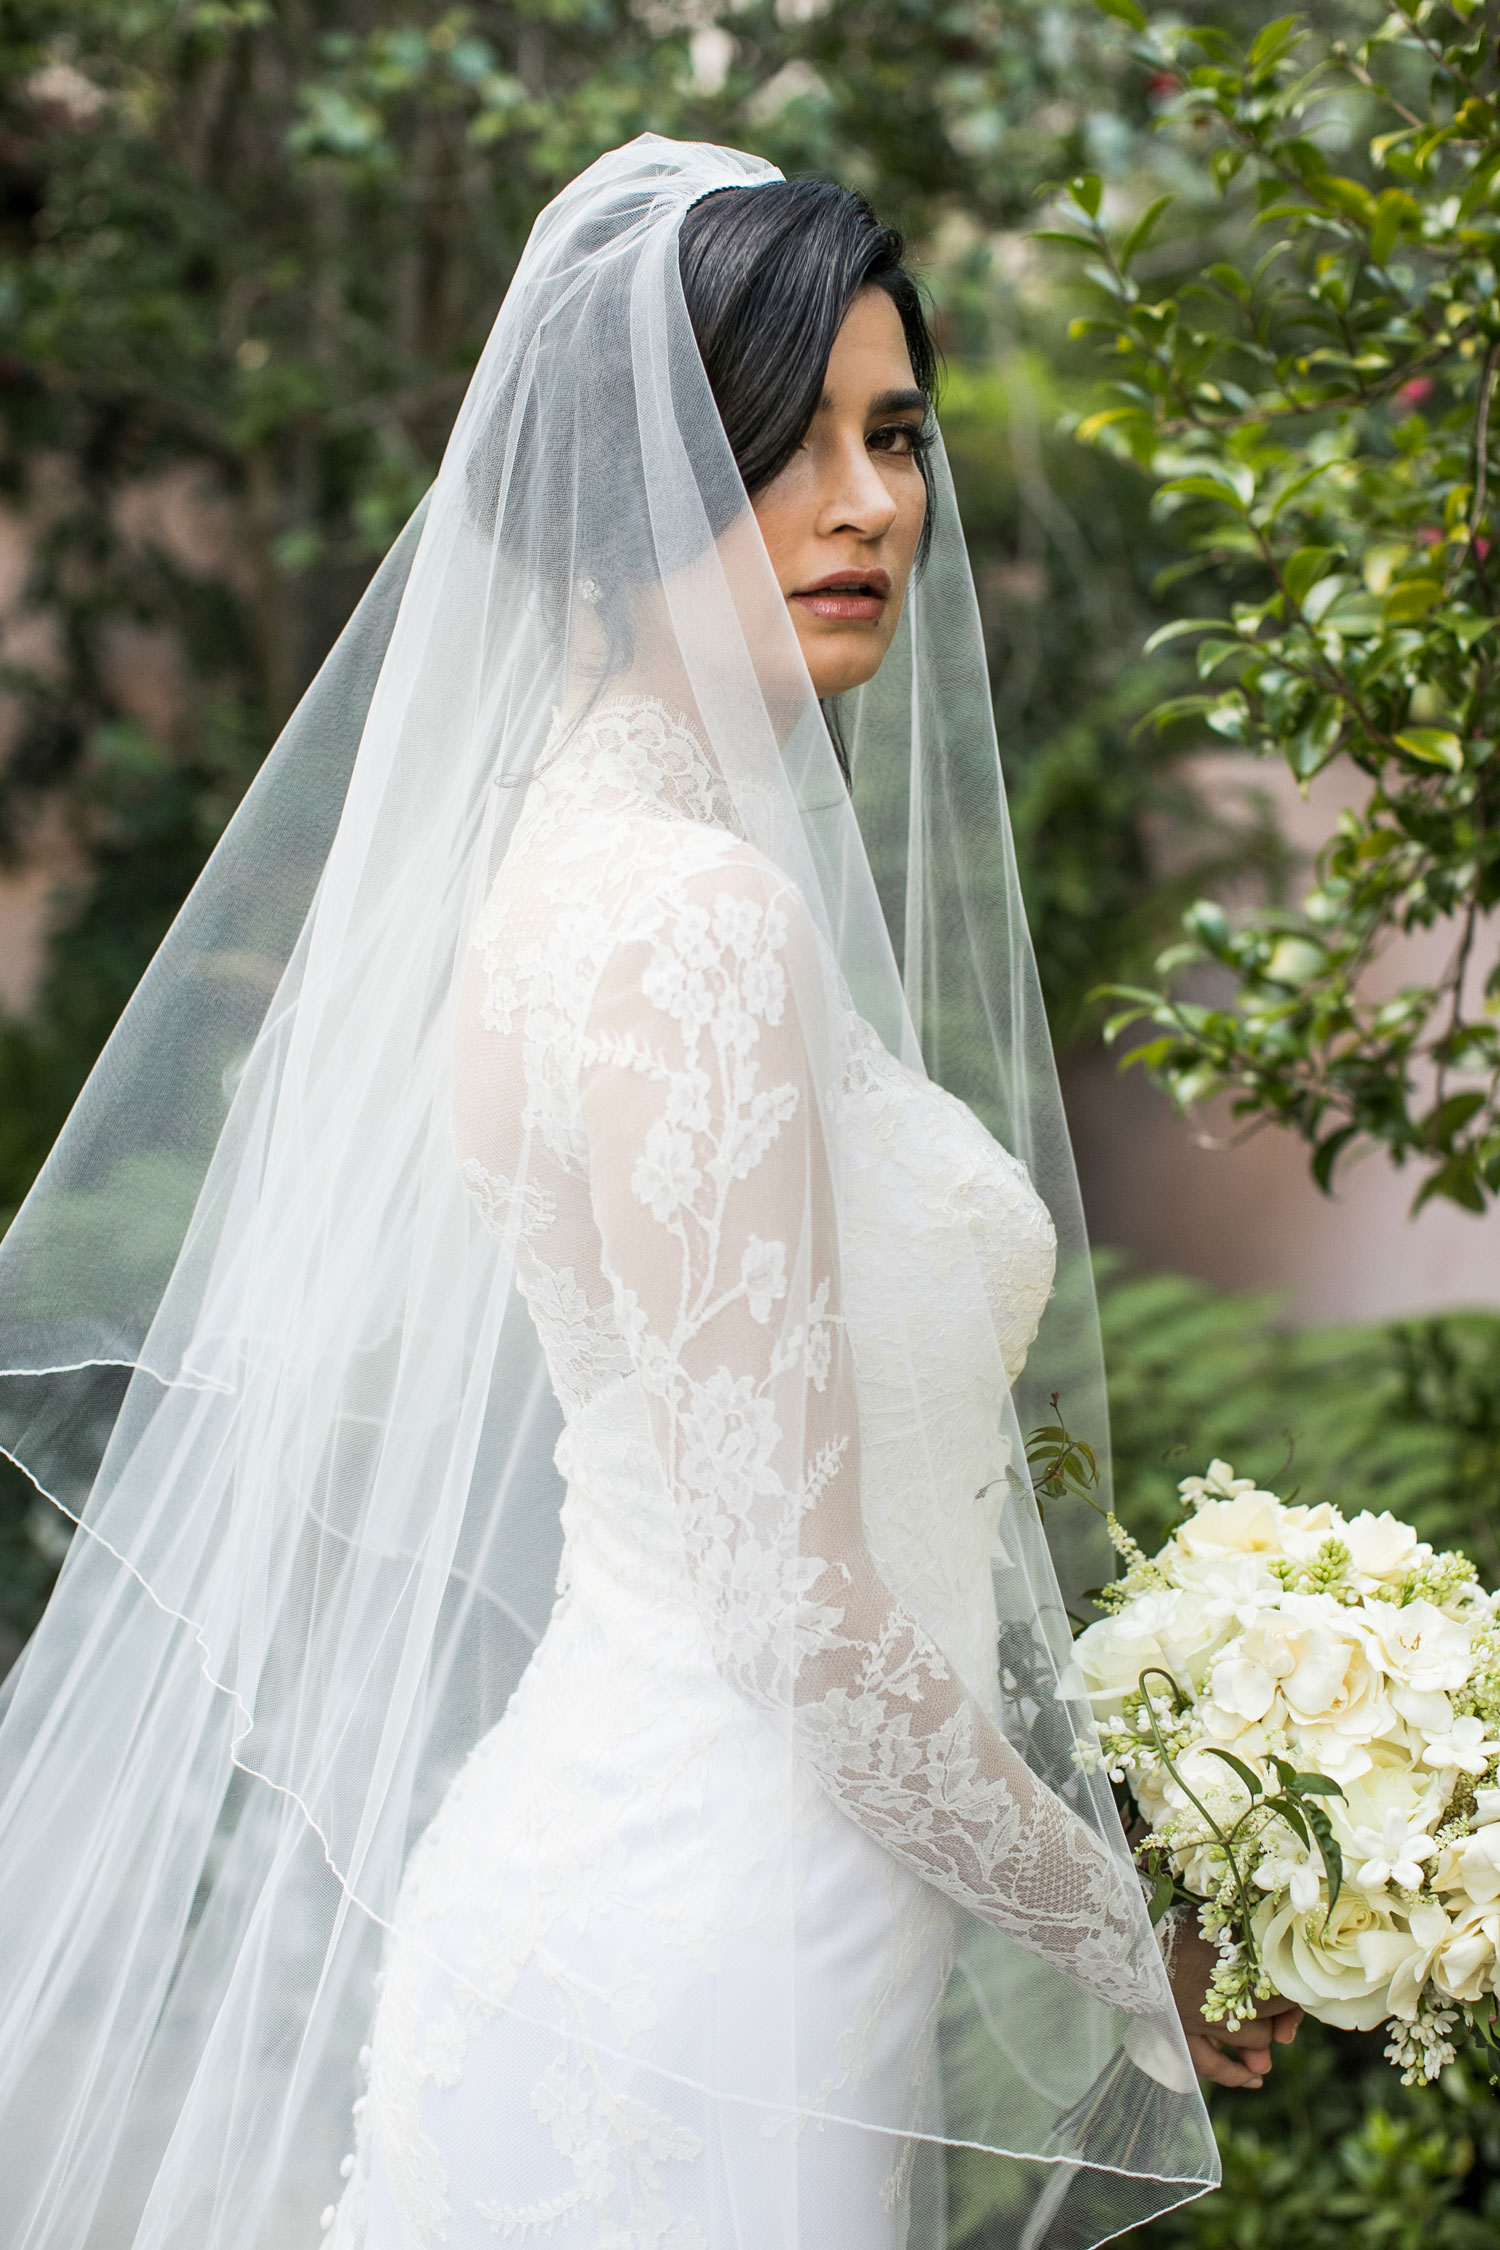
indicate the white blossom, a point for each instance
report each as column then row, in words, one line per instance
column 1220, row 1483
column 1393, row 1853
column 1464, row 1748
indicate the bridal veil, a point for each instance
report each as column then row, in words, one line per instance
column 257, row 1341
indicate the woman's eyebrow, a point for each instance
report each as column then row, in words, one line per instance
column 900, row 402
column 912, row 401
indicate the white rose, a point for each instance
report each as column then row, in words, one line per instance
column 1248, row 1525
column 1247, row 1674
column 1170, row 1628
column 1403, row 1953
column 1466, row 1962
column 1391, row 1785
column 1318, row 1962
column 1229, row 1729
column 1427, row 1710
column 1341, row 1757
column 1381, row 1548
column 1457, row 1954
column 1419, row 1646
column 1475, row 1864
column 1235, row 1588
column 1311, row 1654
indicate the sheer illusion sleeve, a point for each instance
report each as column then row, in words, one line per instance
column 711, row 1187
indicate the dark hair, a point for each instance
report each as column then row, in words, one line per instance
column 769, row 274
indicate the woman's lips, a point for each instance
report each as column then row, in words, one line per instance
column 847, row 597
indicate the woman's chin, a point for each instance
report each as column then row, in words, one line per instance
column 837, row 671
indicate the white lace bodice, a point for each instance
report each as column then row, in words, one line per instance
column 774, row 1274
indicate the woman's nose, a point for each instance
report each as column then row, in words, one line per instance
column 856, row 497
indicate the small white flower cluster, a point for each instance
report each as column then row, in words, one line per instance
column 1305, row 1643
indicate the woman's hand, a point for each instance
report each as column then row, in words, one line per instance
column 1229, row 2058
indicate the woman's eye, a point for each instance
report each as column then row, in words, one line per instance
column 900, row 438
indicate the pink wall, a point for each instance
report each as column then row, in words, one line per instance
column 1249, row 1216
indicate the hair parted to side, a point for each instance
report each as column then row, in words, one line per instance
column 769, row 274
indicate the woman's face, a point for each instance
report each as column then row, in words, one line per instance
column 843, row 519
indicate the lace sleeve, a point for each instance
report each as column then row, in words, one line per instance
column 711, row 1187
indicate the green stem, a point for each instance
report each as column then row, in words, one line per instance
column 1226, row 1843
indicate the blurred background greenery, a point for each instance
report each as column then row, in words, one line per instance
column 249, row 250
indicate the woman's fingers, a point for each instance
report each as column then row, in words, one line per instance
column 1284, row 2026
column 1223, row 2066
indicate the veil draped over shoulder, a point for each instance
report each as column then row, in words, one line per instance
column 264, row 1340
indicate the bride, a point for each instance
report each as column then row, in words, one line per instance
column 690, row 1845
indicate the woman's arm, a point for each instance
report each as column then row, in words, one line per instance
column 711, row 1188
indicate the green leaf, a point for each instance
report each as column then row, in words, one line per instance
column 1227, row 481
column 1209, row 924
column 1308, row 749
column 1089, row 428
column 1272, row 41
column 1349, row 196
column 1163, row 715
column 1313, row 1785
column 1450, row 1116
column 1327, row 1154
column 1228, row 715
column 1411, row 598
column 1453, row 1182
column 1465, row 627
column 1298, row 485
column 1252, row 1781
column 1333, row 1859
column 1294, row 961
column 1394, row 209
column 1231, row 279
column 1087, row 192
column 1124, row 11
column 1321, row 597
column 1177, row 628
column 1140, row 234
column 1301, row 569
column 1434, row 746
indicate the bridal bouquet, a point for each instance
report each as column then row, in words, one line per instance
column 1305, row 1711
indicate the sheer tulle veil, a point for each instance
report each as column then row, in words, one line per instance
column 256, row 1341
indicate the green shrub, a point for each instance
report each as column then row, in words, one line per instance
column 1319, row 417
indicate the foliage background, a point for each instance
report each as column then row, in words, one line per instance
column 249, row 248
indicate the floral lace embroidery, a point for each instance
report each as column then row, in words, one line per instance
column 702, row 1224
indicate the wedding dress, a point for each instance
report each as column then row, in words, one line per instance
column 539, row 1358
column 611, row 1877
